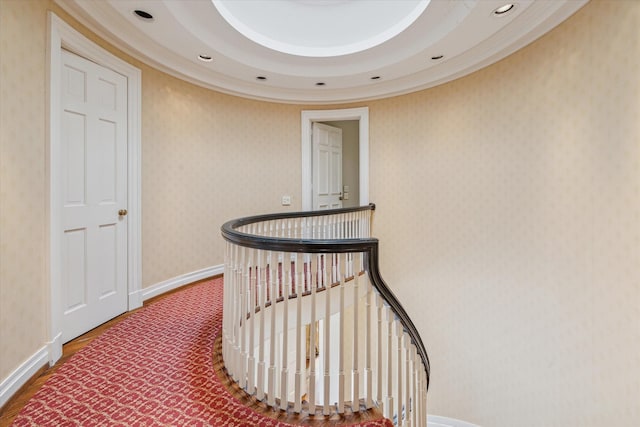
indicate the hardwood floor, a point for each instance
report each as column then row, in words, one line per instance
column 20, row 399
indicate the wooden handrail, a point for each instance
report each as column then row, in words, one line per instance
column 369, row 246
column 284, row 262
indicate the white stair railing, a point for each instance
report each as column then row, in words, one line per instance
column 309, row 325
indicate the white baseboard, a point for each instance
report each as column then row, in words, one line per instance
column 54, row 349
column 176, row 282
column 22, row 374
column 135, row 299
column 437, row 421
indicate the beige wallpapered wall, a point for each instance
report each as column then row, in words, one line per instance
column 208, row 158
column 22, row 182
column 508, row 210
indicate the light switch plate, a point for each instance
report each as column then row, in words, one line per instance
column 286, row 200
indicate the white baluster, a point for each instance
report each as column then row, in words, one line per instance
column 355, row 376
column 380, row 363
column 419, row 407
column 341, row 347
column 271, row 398
column 331, row 222
column 305, row 228
column 327, row 348
column 345, row 225
column 243, row 323
column 233, row 310
column 389, row 400
column 284, row 369
column 307, row 272
column 226, row 283
column 251, row 361
column 313, row 273
column 325, row 232
column 407, row 379
column 368, row 375
column 424, row 396
column 236, row 316
column 398, row 397
column 321, row 269
column 230, row 312
column 398, row 326
column 335, row 226
column 300, row 353
column 414, row 384
column 262, row 286
column 367, row 222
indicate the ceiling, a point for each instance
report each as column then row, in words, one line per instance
column 320, row 51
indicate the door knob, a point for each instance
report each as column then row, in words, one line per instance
column 122, row 212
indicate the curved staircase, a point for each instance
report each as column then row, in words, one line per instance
column 310, row 326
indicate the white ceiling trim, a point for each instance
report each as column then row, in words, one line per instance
column 465, row 31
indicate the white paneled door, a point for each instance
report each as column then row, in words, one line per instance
column 94, row 194
column 327, row 167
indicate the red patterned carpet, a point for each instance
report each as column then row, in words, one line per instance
column 152, row 369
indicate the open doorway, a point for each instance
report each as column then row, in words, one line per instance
column 350, row 173
column 358, row 189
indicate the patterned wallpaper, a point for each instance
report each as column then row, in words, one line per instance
column 208, row 158
column 508, row 210
column 22, row 183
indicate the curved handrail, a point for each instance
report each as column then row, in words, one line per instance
column 231, row 234
column 369, row 246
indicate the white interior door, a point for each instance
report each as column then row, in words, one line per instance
column 327, row 167
column 94, row 195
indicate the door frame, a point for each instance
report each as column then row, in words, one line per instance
column 360, row 114
column 62, row 35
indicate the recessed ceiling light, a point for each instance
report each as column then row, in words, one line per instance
column 375, row 77
column 205, row 58
column 436, row 57
column 504, row 9
column 261, row 78
column 320, row 84
column 143, row 15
